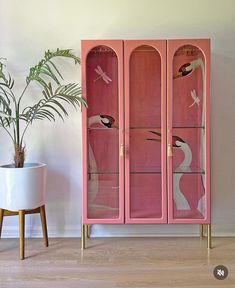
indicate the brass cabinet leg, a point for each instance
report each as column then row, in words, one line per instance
column 1, row 220
column 88, row 231
column 44, row 224
column 21, row 226
column 201, row 230
column 209, row 236
column 83, row 244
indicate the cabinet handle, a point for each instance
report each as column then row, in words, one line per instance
column 169, row 150
column 121, row 152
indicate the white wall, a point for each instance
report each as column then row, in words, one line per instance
column 28, row 27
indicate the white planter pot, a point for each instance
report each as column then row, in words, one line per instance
column 22, row 188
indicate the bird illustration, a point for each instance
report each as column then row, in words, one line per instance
column 184, row 70
column 102, row 75
column 180, row 200
column 93, row 183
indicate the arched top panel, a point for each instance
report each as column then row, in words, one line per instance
column 146, row 49
column 188, row 87
column 145, row 87
column 102, row 82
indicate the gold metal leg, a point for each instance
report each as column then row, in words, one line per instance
column 83, row 243
column 44, row 224
column 209, row 236
column 21, row 226
column 1, row 220
column 88, row 231
column 201, row 230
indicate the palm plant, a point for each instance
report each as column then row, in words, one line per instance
column 16, row 120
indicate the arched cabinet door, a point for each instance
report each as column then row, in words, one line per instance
column 102, row 121
column 188, row 126
column 145, row 131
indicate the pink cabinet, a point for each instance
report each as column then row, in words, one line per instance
column 146, row 131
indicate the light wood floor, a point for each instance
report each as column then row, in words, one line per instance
column 117, row 262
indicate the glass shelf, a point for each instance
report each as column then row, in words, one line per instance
column 145, row 170
column 188, row 127
column 139, row 172
column 139, row 127
column 101, row 173
column 102, row 128
column 188, row 170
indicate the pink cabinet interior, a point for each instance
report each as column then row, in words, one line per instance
column 145, row 193
column 146, row 131
column 102, row 131
column 189, row 129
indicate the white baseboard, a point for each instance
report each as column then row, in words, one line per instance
column 121, row 231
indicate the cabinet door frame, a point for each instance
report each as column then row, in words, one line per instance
column 172, row 47
column 160, row 46
column 117, row 46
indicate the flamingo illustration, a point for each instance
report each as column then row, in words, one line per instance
column 185, row 70
column 93, row 183
column 180, row 201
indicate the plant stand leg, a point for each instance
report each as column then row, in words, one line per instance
column 83, row 240
column 1, row 220
column 21, row 226
column 209, row 236
column 44, row 224
column 201, row 230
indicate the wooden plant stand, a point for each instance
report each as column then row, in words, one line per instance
column 22, row 214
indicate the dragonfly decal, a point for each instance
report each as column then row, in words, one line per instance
column 102, row 75
column 195, row 98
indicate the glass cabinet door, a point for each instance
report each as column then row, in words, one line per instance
column 104, row 133
column 187, row 133
column 145, row 131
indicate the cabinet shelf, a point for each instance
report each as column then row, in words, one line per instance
column 141, row 172
column 188, row 127
column 145, row 127
column 103, row 128
column 102, row 173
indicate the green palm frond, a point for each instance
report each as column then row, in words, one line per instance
column 5, row 111
column 5, row 80
column 51, row 105
column 46, row 67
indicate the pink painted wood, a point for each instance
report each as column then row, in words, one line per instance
column 191, row 184
column 93, row 215
column 149, row 197
column 145, row 193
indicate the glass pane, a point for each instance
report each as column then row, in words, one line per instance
column 145, row 152
column 103, row 150
column 145, row 136
column 188, row 87
column 103, row 196
column 189, row 201
column 145, row 196
column 103, row 133
column 188, row 173
column 188, row 132
column 187, row 150
column 145, row 87
column 102, row 82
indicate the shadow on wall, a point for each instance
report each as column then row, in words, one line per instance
column 58, row 199
column 223, row 137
